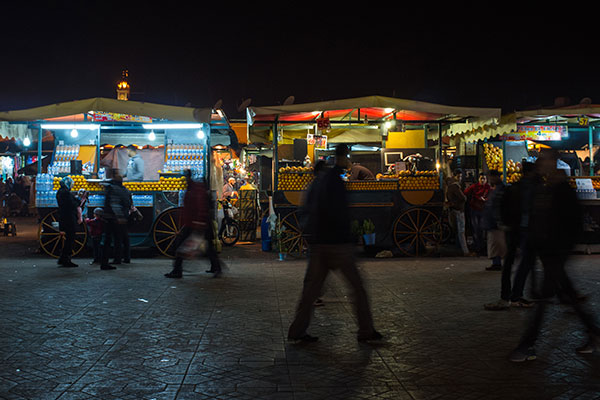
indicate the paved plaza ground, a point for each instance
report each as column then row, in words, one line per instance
column 84, row 333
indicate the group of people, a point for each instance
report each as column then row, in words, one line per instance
column 537, row 218
column 108, row 227
column 14, row 194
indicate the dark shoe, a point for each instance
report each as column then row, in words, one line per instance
column 210, row 271
column 497, row 306
column 173, row 274
column 494, row 268
column 521, row 355
column 319, row 303
column 68, row 264
column 590, row 347
column 306, row 338
column 107, row 267
column 60, row 262
column 521, row 302
column 373, row 336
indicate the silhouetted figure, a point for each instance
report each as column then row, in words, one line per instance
column 477, row 194
column 117, row 203
column 515, row 211
column 331, row 248
column 496, row 243
column 456, row 200
column 67, row 219
column 195, row 218
column 96, row 227
column 555, row 225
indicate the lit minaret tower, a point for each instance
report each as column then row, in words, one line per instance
column 123, row 86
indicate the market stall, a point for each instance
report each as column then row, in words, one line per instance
column 572, row 131
column 99, row 140
column 403, row 205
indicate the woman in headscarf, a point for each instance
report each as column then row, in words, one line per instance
column 67, row 219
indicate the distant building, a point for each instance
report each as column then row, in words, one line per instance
column 123, row 88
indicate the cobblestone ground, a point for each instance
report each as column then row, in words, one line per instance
column 132, row 334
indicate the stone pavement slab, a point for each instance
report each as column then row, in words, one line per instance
column 83, row 333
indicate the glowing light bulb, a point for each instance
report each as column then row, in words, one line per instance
column 74, row 133
column 200, row 134
column 26, row 142
column 151, row 135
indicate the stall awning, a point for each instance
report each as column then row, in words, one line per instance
column 153, row 110
column 16, row 131
column 375, row 108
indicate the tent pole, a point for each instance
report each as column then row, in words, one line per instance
column 275, row 161
column 441, row 160
column 39, row 150
column 591, row 148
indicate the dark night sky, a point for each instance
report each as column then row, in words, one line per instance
column 463, row 53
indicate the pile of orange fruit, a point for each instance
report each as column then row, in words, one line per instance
column 423, row 182
column 164, row 184
column 294, row 181
column 371, row 185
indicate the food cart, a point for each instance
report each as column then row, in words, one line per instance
column 572, row 130
column 404, row 203
column 90, row 145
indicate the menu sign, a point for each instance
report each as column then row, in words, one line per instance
column 538, row 133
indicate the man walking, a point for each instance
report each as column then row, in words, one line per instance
column 555, row 225
column 329, row 222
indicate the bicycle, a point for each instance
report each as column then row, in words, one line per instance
column 229, row 233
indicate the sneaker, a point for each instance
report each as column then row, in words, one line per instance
column 173, row 274
column 494, row 268
column 521, row 355
column 497, row 306
column 68, row 264
column 590, row 347
column 306, row 338
column 373, row 336
column 318, row 303
column 521, row 302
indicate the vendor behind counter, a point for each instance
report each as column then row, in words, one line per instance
column 360, row 173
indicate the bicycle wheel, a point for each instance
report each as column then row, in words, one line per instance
column 230, row 233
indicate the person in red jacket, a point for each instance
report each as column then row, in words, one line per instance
column 477, row 194
column 195, row 218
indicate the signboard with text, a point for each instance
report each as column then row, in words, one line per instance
column 538, row 132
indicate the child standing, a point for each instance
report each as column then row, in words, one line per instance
column 96, row 227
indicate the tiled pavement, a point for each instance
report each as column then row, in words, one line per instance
column 132, row 334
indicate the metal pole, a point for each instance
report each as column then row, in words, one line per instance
column 39, row 150
column 275, row 161
column 441, row 160
column 591, row 148
column 504, row 161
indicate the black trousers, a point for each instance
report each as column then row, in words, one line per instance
column 556, row 282
column 211, row 252
column 113, row 233
column 67, row 250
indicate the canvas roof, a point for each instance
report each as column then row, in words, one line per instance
column 374, row 107
column 173, row 113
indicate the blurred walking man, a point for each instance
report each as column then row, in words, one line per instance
column 331, row 246
column 555, row 225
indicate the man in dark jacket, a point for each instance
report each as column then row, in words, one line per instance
column 329, row 220
column 117, row 203
column 67, row 219
column 555, row 226
column 456, row 200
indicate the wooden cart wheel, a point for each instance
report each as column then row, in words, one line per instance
column 165, row 230
column 416, row 230
column 52, row 241
column 293, row 238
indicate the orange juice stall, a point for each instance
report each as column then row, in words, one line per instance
column 399, row 206
column 94, row 139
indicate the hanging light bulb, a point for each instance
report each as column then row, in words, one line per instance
column 26, row 142
column 74, row 133
column 151, row 135
column 200, row 134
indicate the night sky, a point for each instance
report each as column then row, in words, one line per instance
column 462, row 53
